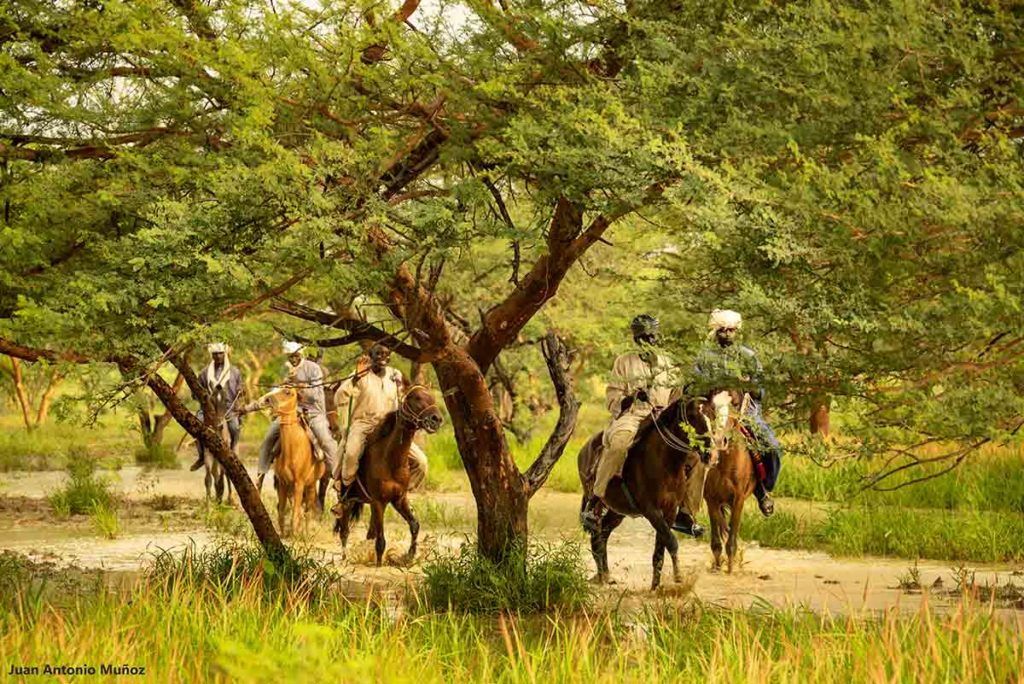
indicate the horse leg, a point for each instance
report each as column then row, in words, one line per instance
column 664, row 539
column 342, row 526
column 718, row 528
column 298, row 493
column 734, row 531
column 377, row 528
column 219, row 484
column 599, row 546
column 282, row 504
column 673, row 545
column 405, row 510
column 208, row 480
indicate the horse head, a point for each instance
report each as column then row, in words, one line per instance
column 285, row 400
column 419, row 408
column 713, row 417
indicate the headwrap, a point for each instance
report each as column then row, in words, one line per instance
column 290, row 347
column 724, row 318
column 213, row 379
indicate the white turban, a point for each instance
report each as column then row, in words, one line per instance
column 724, row 318
column 290, row 347
column 217, row 348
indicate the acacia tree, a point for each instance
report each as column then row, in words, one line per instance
column 173, row 165
column 875, row 246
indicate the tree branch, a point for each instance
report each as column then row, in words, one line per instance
column 359, row 330
column 559, row 361
column 566, row 244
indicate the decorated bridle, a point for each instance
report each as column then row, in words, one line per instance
column 407, row 414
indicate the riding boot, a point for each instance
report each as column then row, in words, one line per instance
column 764, row 501
column 200, row 461
column 687, row 525
column 590, row 516
column 259, row 482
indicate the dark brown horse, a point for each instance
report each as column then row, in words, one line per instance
column 654, row 477
column 383, row 476
column 727, row 487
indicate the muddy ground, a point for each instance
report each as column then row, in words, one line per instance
column 165, row 510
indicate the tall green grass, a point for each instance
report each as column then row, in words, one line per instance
column 193, row 629
column 990, row 480
column 977, row 536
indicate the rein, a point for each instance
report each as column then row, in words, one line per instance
column 670, row 439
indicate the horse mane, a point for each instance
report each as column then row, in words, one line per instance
column 667, row 419
column 383, row 430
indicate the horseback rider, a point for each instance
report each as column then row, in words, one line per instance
column 641, row 382
column 305, row 374
column 725, row 364
column 375, row 390
column 221, row 376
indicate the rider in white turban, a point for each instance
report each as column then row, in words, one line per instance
column 221, row 377
column 723, row 363
column 308, row 377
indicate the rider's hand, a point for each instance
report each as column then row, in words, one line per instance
column 362, row 366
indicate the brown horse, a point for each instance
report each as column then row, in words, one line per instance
column 383, row 476
column 296, row 472
column 654, row 477
column 727, row 487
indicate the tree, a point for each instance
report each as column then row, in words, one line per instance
column 35, row 394
column 173, row 166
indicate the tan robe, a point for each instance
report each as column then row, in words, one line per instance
column 371, row 399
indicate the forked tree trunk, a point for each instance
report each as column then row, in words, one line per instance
column 819, row 418
column 30, row 416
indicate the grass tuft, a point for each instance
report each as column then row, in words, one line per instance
column 83, row 491
column 538, row 579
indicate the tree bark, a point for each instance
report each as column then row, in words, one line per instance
column 558, row 360
column 47, row 399
column 21, row 393
column 498, row 487
column 820, row 410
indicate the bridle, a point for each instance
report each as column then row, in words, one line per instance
column 407, row 414
column 682, row 445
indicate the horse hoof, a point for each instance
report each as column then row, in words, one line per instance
column 601, row 579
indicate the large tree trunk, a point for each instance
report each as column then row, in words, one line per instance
column 498, row 487
column 819, row 419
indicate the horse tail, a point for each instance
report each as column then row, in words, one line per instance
column 357, row 510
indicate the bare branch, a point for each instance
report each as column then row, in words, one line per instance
column 559, row 361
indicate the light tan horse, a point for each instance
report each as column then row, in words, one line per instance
column 296, row 472
column 727, row 487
